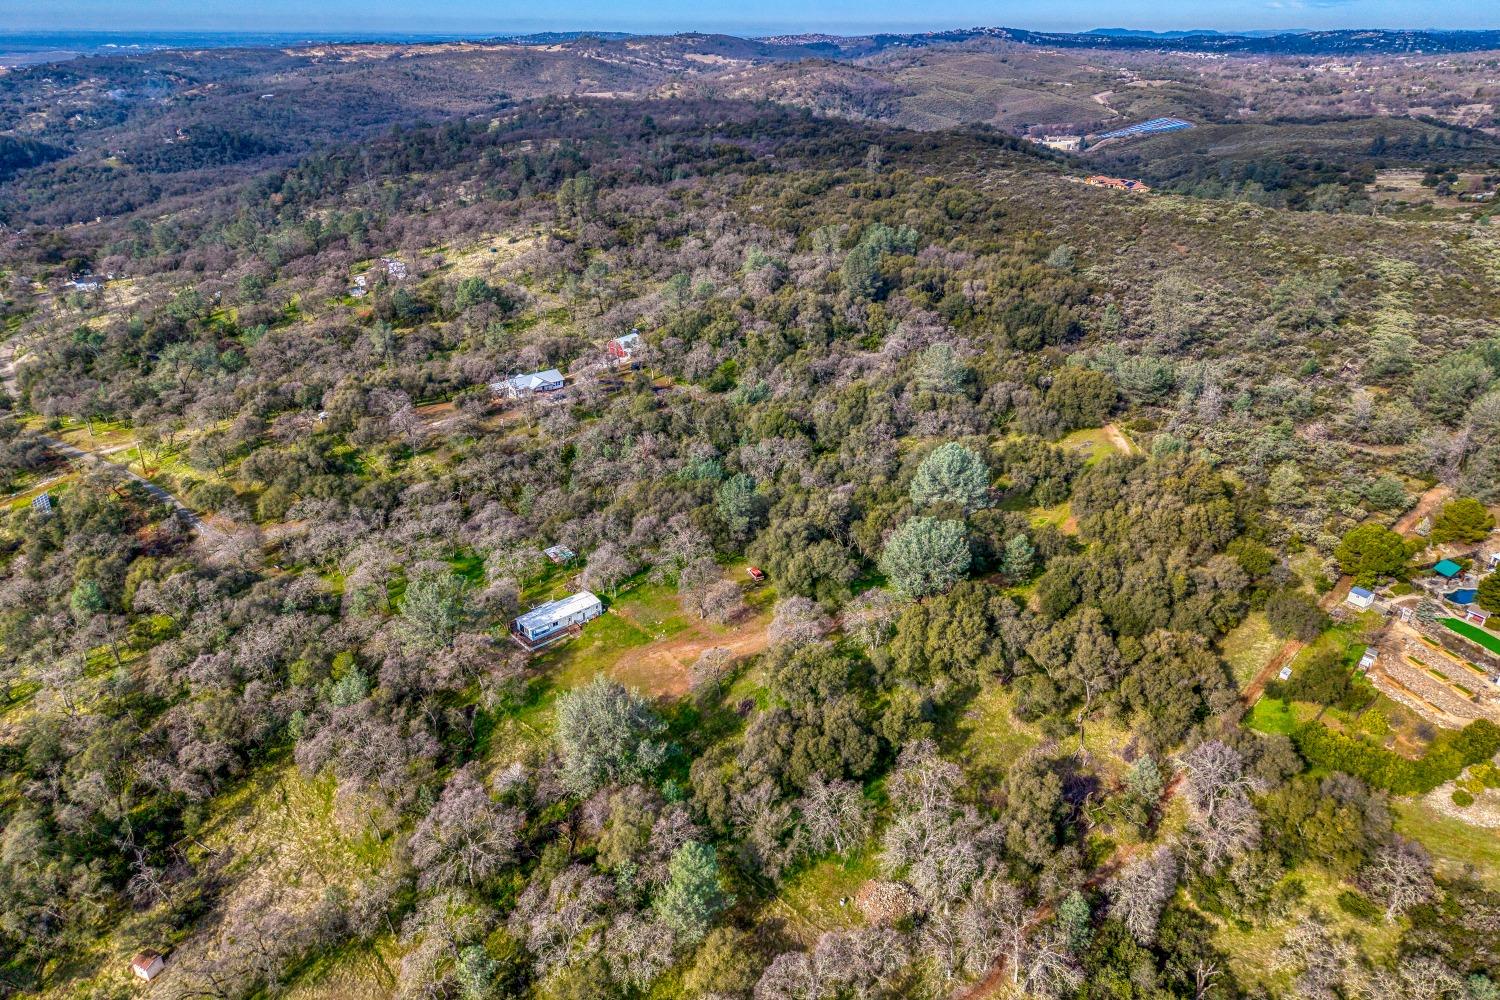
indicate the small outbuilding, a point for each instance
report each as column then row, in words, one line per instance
column 147, row 965
column 1286, row 674
column 1476, row 615
column 1360, row 597
column 756, row 573
column 518, row 386
column 560, row 554
column 548, row 623
column 1368, row 660
column 1447, row 569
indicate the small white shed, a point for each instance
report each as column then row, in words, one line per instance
column 147, row 965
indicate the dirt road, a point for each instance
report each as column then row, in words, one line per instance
column 1119, row 440
column 662, row 669
column 1427, row 503
column 185, row 513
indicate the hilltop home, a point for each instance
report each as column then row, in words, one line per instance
column 1117, row 183
column 524, row 385
column 623, row 349
column 547, row 623
column 1360, row 598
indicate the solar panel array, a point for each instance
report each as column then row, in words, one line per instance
column 1151, row 127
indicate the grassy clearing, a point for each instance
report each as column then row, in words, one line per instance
column 1252, row 944
column 577, row 661
column 820, row 897
column 1092, row 443
column 1455, row 845
column 1308, row 566
column 363, row 973
column 1272, row 715
column 990, row 738
column 1247, row 648
column 1059, row 516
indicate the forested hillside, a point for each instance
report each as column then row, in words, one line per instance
column 1042, row 485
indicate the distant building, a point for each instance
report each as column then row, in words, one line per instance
column 1368, row 660
column 395, row 267
column 361, row 286
column 1062, row 143
column 1118, row 183
column 623, row 349
column 1286, row 673
column 86, row 283
column 560, row 554
column 147, row 965
column 524, row 385
column 1360, row 598
column 547, row 623
column 1447, row 569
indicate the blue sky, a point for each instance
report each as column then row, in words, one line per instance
column 488, row 16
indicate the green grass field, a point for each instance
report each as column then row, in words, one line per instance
column 1454, row 844
column 1271, row 715
column 1247, row 648
column 1473, row 632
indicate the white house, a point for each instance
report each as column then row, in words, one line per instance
column 1368, row 660
column 1360, row 598
column 523, row 385
column 147, row 965
column 547, row 623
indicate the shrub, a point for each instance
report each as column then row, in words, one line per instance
column 1371, row 551
column 1357, row 906
column 1462, row 798
column 1448, row 755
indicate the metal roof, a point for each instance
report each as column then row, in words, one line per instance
column 1361, row 592
column 1447, row 568
column 546, row 614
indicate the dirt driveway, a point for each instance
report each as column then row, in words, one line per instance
column 661, row 669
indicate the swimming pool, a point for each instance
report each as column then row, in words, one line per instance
column 1462, row 596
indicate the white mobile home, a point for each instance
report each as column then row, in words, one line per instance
column 547, row 623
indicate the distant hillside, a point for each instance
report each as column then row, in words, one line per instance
column 558, row 37
column 1373, row 40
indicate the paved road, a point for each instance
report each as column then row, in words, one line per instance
column 184, row 513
